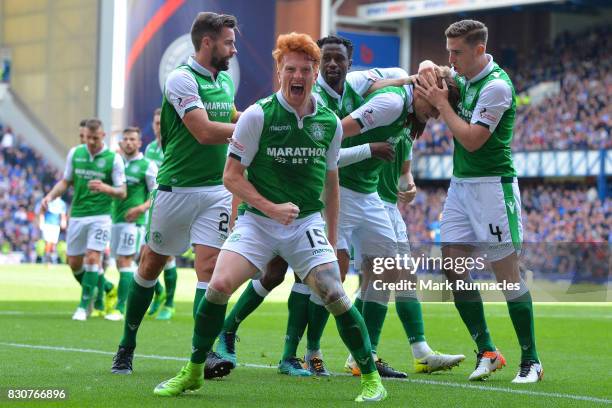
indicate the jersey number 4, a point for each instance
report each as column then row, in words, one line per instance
column 496, row 232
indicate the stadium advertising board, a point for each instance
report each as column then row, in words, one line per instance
column 373, row 50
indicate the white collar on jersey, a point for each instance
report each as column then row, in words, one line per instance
column 485, row 71
column 104, row 148
column 198, row 68
column 289, row 108
column 137, row 156
column 329, row 89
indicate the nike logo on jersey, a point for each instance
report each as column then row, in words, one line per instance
column 132, row 326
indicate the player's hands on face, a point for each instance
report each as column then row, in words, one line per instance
column 429, row 89
column 284, row 213
column 382, row 150
column 408, row 195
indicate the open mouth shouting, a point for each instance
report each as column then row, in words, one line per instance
column 297, row 90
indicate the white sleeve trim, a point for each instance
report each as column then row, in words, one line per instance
column 360, row 81
column 333, row 152
column 118, row 174
column 181, row 90
column 68, row 169
column 495, row 98
column 151, row 176
column 355, row 154
column 379, row 111
column 247, row 133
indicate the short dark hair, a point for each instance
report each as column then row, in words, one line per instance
column 210, row 24
column 93, row 124
column 333, row 39
column 132, row 129
column 83, row 122
column 157, row 112
column 474, row 32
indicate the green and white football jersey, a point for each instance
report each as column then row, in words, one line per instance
column 140, row 174
column 488, row 100
column 187, row 163
column 287, row 157
column 81, row 168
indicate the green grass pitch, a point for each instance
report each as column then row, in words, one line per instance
column 41, row 347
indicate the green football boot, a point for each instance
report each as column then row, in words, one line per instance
column 190, row 378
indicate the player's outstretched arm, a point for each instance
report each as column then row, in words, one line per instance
column 380, row 110
column 355, row 154
column 383, row 83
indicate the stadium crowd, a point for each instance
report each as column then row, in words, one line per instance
column 24, row 178
column 578, row 117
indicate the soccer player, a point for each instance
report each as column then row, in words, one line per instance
column 291, row 141
column 155, row 153
column 375, row 231
column 107, row 292
column 128, row 215
column 306, row 309
column 98, row 176
column 190, row 206
column 51, row 222
column 482, row 213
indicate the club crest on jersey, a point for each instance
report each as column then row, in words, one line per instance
column 317, row 131
column 100, row 163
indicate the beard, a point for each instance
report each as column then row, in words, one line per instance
column 219, row 63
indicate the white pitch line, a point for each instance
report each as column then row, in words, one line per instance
column 416, row 381
column 284, row 313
